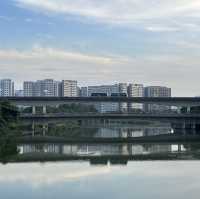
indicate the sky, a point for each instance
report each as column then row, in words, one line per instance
column 153, row 42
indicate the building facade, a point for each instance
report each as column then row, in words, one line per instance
column 42, row 88
column 106, row 90
column 83, row 92
column 123, row 107
column 69, row 88
column 136, row 90
column 6, row 88
column 28, row 88
column 157, row 91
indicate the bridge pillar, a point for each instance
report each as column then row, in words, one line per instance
column 188, row 109
column 33, row 129
column 179, row 147
column 179, row 109
column 33, row 110
column 44, row 129
column 193, row 127
column 44, row 110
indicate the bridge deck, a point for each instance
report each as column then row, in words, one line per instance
column 60, row 100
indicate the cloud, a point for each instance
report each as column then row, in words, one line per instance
column 5, row 18
column 115, row 11
column 28, row 20
column 92, row 69
column 161, row 29
column 38, row 175
column 41, row 53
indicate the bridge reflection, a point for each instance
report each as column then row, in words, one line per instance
column 108, row 153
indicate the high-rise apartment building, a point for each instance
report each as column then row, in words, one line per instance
column 84, row 92
column 42, row 88
column 57, row 88
column 69, row 88
column 19, row 93
column 47, row 88
column 107, row 89
column 136, row 90
column 157, row 91
column 6, row 88
column 29, row 89
column 123, row 107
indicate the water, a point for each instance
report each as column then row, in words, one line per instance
column 104, row 170
column 123, row 149
column 74, row 180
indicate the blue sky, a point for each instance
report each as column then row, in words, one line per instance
column 154, row 42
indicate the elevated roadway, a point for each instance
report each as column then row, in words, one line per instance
column 51, row 101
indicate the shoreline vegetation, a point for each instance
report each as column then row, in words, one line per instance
column 9, row 130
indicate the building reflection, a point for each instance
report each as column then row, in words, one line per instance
column 99, row 149
column 131, row 132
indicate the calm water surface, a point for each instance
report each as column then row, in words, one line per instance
column 74, row 180
column 108, row 171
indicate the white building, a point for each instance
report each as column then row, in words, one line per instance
column 69, row 88
column 136, row 90
column 6, row 88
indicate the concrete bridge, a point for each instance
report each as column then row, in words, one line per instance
column 87, row 116
column 168, row 101
column 55, row 101
column 177, row 121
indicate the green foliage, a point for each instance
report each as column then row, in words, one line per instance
column 8, row 147
column 8, row 129
column 8, row 112
column 66, row 108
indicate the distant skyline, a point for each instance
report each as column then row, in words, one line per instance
column 153, row 42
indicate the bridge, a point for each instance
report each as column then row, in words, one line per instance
column 93, row 116
column 55, row 101
column 177, row 121
column 168, row 101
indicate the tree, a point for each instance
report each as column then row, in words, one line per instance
column 8, row 129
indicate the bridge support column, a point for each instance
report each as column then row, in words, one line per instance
column 179, row 147
column 193, row 127
column 44, row 110
column 44, row 129
column 179, row 110
column 33, row 129
column 33, row 110
column 188, row 109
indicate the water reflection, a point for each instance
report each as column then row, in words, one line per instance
column 74, row 180
column 108, row 153
column 132, row 132
column 100, row 149
column 110, row 129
